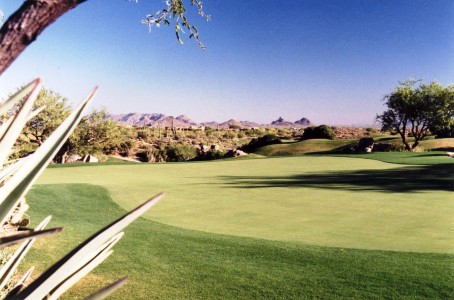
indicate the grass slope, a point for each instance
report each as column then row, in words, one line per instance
column 307, row 146
column 165, row 262
column 325, row 201
column 324, row 145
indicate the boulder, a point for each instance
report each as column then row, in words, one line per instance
column 203, row 149
column 234, row 153
column 89, row 158
column 73, row 158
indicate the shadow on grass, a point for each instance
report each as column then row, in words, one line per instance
column 404, row 179
column 444, row 149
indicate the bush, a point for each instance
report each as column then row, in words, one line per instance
column 267, row 139
column 214, row 154
column 180, row 152
column 319, row 132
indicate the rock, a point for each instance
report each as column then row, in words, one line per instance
column 73, row 158
column 89, row 158
column 239, row 153
column 234, row 153
column 366, row 144
column 215, row 147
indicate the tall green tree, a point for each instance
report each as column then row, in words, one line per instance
column 413, row 109
column 57, row 109
column 38, row 129
column 96, row 134
column 443, row 123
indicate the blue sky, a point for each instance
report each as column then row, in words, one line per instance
column 329, row 61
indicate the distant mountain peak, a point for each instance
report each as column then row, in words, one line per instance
column 281, row 121
column 304, row 122
column 161, row 120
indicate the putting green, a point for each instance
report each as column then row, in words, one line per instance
column 328, row 201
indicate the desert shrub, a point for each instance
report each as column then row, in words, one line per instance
column 214, row 154
column 240, row 135
column 318, row 132
column 396, row 147
column 267, row 139
column 253, row 132
column 180, row 152
column 229, row 135
column 209, row 131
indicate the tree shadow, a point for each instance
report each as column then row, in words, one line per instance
column 444, row 149
column 403, row 179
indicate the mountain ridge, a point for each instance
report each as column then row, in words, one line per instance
column 161, row 120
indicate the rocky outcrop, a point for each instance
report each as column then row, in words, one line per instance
column 281, row 122
column 303, row 122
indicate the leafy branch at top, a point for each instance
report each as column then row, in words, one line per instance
column 176, row 11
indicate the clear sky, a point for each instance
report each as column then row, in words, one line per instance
column 329, row 61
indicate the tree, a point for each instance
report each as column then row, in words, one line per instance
column 443, row 124
column 413, row 110
column 23, row 27
column 254, row 144
column 57, row 109
column 319, row 132
column 96, row 134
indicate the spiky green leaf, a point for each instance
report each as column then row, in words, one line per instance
column 75, row 260
column 19, row 185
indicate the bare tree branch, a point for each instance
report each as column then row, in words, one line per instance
column 24, row 26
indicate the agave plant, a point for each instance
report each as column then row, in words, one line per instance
column 16, row 179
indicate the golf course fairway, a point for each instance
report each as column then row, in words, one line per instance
column 325, row 201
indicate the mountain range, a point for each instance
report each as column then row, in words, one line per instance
column 183, row 121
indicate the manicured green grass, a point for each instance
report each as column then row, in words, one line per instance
column 407, row 158
column 307, row 146
column 318, row 200
column 327, row 146
column 165, row 262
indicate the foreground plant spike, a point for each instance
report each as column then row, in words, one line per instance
column 90, row 253
column 108, row 290
column 21, row 283
column 13, row 262
column 12, row 129
column 19, row 237
column 14, row 99
column 98, row 257
column 18, row 185
column 16, row 180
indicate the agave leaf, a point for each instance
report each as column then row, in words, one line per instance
column 108, row 290
column 35, row 112
column 18, row 122
column 20, row 284
column 65, row 267
column 8, row 269
column 69, row 282
column 4, row 127
column 19, row 185
column 26, row 235
column 89, row 264
column 12, row 168
column 13, row 100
